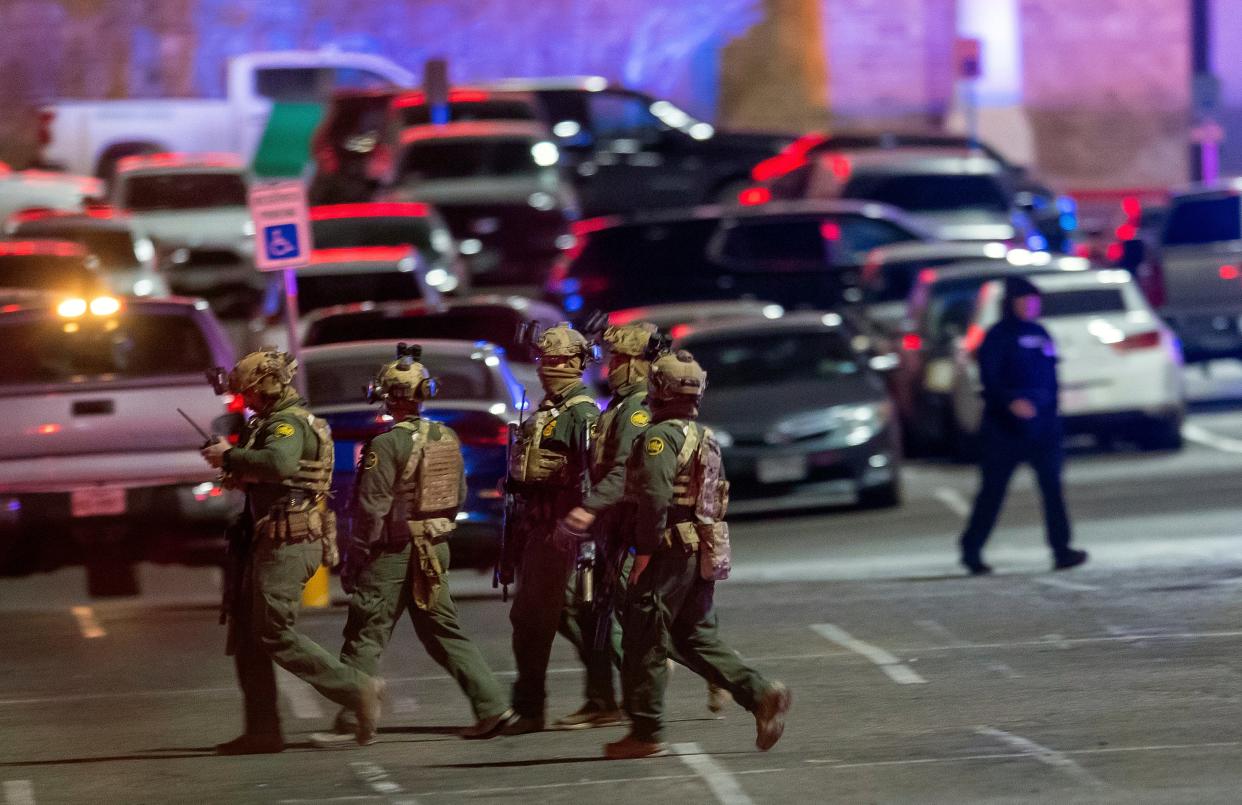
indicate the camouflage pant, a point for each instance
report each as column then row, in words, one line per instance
column 383, row 593
column 669, row 611
column 265, row 628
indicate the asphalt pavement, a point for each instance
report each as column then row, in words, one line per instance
column 1117, row 682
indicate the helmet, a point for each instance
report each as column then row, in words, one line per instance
column 563, row 341
column 266, row 372
column 402, row 379
column 676, row 374
column 629, row 339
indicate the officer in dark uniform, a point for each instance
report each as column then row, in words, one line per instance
column 1017, row 367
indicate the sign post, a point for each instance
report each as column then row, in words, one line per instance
column 283, row 243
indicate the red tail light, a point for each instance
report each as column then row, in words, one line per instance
column 678, row 331
column 973, row 338
column 754, row 196
column 912, row 342
column 1148, row 340
column 1229, row 272
column 492, row 433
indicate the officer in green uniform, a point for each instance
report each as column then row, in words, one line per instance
column 545, row 470
column 410, row 484
column 286, row 531
column 681, row 550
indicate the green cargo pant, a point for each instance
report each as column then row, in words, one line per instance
column 383, row 592
column 544, row 573
column 578, row 626
column 670, row 609
column 265, row 627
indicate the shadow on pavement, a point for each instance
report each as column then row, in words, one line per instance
column 507, row 764
column 176, row 753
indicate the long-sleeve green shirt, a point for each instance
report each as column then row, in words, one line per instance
column 381, row 464
column 274, row 444
column 625, row 420
column 651, row 471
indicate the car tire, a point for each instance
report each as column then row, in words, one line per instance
column 880, row 497
column 1162, row 434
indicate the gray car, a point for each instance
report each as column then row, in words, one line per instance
column 802, row 417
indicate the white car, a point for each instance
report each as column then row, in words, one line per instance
column 89, row 392
column 1120, row 369
column 34, row 189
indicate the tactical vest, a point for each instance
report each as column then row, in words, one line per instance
column 313, row 475
column 529, row 461
column 430, row 484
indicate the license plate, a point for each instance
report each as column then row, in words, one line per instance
column 781, row 469
column 97, row 501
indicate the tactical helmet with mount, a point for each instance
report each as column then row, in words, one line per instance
column 676, row 375
column 267, row 371
column 403, row 379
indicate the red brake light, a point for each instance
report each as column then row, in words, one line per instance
column 1229, row 272
column 1148, row 340
column 360, row 254
column 586, row 226
column 393, row 209
column 1132, row 207
column 468, row 95
column 678, row 330
column 790, row 159
column 754, row 196
column 1127, row 232
column 493, row 433
column 841, row 168
column 830, row 230
column 1115, row 252
column 43, row 248
column 973, row 338
column 911, row 342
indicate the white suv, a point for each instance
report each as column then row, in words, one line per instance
column 1120, row 369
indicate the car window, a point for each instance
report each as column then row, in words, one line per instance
column 896, row 279
column 662, row 254
column 293, row 84
column 355, row 78
column 780, row 245
column 461, row 159
column 930, row 192
column 1083, row 302
column 496, row 325
column 45, row 272
column 616, row 116
column 184, row 191
column 113, row 249
column 326, row 290
column 343, row 233
column 860, row 234
column 764, row 359
column 1204, row 220
column 340, row 382
column 134, row 345
column 950, row 306
column 494, row 109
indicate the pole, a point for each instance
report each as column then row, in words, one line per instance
column 291, row 324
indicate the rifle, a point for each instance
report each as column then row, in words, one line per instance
column 237, row 536
column 584, row 566
column 511, row 538
column 208, row 439
column 613, row 547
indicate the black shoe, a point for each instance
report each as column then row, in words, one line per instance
column 522, row 725
column 258, row 744
column 1071, row 558
column 976, row 567
column 489, row 727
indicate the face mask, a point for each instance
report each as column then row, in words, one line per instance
column 627, row 373
column 558, row 378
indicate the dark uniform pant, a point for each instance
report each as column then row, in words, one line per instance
column 383, row 592
column 578, row 625
column 670, row 608
column 1002, row 450
column 543, row 577
column 265, row 628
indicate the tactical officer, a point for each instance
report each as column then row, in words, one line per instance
column 681, row 543
column 285, row 532
column 545, row 470
column 410, row 484
column 1018, row 369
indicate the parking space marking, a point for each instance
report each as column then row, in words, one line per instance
column 1059, row 641
column 896, row 670
column 302, row 698
column 1203, row 436
column 377, row 779
column 1065, row 584
column 723, row 785
column 953, row 500
column 90, row 628
column 831, row 764
column 1049, row 757
column 19, row 792
column 955, row 641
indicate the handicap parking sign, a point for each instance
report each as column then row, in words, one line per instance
column 281, row 242
column 282, row 224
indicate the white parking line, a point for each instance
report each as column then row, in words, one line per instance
column 1043, row 754
column 302, row 698
column 1200, row 435
column 955, row 641
column 19, row 792
column 377, row 779
column 953, row 500
column 897, row 671
column 90, row 628
column 723, row 785
column 1065, row 584
column 831, row 764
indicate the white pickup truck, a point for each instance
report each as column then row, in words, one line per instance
column 89, row 137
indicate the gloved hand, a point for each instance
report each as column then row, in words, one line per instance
column 353, row 561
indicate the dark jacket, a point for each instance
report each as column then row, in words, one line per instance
column 1018, row 360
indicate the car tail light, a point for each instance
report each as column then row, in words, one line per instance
column 791, row 158
column 973, row 339
column 830, row 230
column 1147, row 340
column 841, row 168
column 490, row 433
column 754, row 196
column 1229, row 272
column 912, row 342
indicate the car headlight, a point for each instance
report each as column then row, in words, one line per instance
column 144, row 287
column 144, row 250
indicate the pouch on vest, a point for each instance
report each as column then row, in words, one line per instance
column 323, row 519
column 685, row 535
column 715, row 551
column 427, row 576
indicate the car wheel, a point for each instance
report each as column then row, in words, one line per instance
column 1162, row 434
column 880, row 497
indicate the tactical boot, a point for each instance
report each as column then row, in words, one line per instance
column 369, row 710
column 1071, row 558
column 632, row 747
column 488, row 727
column 717, row 698
column 770, row 715
column 253, row 744
column 975, row 566
column 522, row 725
column 590, row 715
column 342, row 734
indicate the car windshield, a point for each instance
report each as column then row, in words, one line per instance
column 495, row 109
column 131, row 346
column 497, row 325
column 930, row 192
column 1083, row 302
column 185, row 191
column 343, row 381
column 46, row 272
column 894, row 280
column 465, row 159
column 756, row 359
column 326, row 290
column 115, row 250
column 1204, row 220
column 344, row 233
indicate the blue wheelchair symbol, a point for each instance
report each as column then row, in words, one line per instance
column 281, row 242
